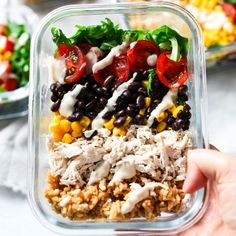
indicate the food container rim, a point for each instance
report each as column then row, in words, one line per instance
column 120, row 8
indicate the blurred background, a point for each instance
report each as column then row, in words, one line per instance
column 217, row 19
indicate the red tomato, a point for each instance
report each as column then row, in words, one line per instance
column 75, row 61
column 6, row 44
column 10, row 83
column 85, row 47
column 229, row 9
column 5, row 67
column 171, row 73
column 119, row 68
column 139, row 53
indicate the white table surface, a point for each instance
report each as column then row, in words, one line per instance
column 16, row 218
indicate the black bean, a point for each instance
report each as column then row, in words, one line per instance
column 181, row 114
column 89, row 134
column 89, row 106
column 82, row 94
column 107, row 115
column 126, row 94
column 139, row 119
column 175, row 126
column 131, row 110
column 134, row 97
column 155, row 83
column 145, row 74
column 120, row 121
column 95, row 86
column 183, row 89
column 148, row 111
column 80, row 104
column 114, row 87
column 88, row 85
column 89, row 97
column 142, row 91
column 109, row 81
column 120, row 113
column 139, row 76
column 154, row 124
column 155, row 103
column 99, row 91
column 134, row 86
column 186, row 125
column 54, row 97
column 179, row 122
column 55, row 106
column 78, row 115
column 188, row 115
column 170, row 120
column 72, row 118
column 91, row 114
column 184, row 97
column 140, row 102
column 187, row 107
column 103, row 101
column 120, row 102
column 53, row 87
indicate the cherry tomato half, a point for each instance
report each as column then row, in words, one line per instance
column 229, row 9
column 119, row 68
column 139, row 53
column 6, row 44
column 10, row 83
column 171, row 73
column 75, row 61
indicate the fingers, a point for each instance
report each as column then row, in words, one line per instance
column 203, row 165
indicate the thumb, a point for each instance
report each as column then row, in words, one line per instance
column 204, row 165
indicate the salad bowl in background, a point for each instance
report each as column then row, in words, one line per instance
column 15, row 103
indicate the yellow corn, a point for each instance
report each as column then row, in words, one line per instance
column 162, row 116
column 55, row 128
column 85, row 121
column 65, row 125
column 57, row 119
column 67, row 138
column 119, row 131
column 76, row 126
column 161, row 126
column 1, row 58
column 147, row 101
column 109, row 124
column 76, row 134
column 171, row 109
column 57, row 137
column 128, row 120
column 7, row 55
column 142, row 111
column 145, row 83
column 177, row 110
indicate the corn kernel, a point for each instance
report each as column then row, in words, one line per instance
column 128, row 120
column 55, row 128
column 76, row 126
column 57, row 137
column 161, row 126
column 163, row 115
column 142, row 111
column 145, row 83
column 65, row 125
column 67, row 138
column 147, row 101
column 109, row 124
column 57, row 119
column 176, row 110
column 171, row 109
column 7, row 55
column 85, row 121
column 119, row 131
column 76, row 134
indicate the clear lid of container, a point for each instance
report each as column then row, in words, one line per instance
column 40, row 115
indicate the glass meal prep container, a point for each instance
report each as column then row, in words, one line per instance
column 40, row 115
column 15, row 103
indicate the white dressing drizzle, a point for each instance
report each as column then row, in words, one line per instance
column 99, row 121
column 99, row 173
column 125, row 171
column 116, row 51
column 138, row 195
column 69, row 100
column 92, row 57
column 167, row 102
column 57, row 70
